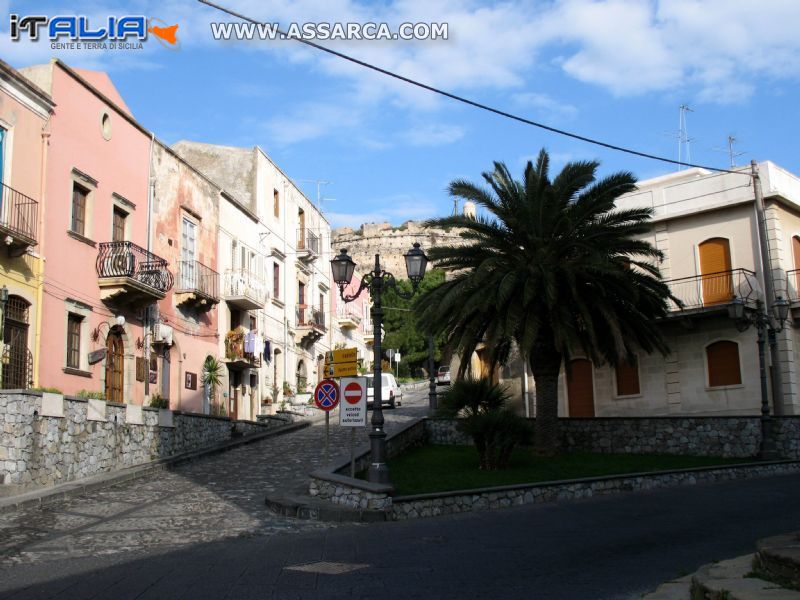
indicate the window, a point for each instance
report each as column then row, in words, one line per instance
column 74, row 341
column 118, row 231
column 79, row 198
column 276, row 204
column 628, row 378
column 722, row 361
column 276, row 281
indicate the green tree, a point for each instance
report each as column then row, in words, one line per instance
column 402, row 331
column 555, row 267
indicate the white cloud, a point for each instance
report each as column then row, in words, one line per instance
column 393, row 209
column 433, row 135
column 545, row 106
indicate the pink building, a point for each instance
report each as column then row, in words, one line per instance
column 185, row 223
column 353, row 326
column 101, row 279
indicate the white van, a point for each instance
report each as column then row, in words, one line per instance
column 391, row 394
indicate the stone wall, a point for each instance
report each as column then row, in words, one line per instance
column 430, row 505
column 48, row 439
column 731, row 437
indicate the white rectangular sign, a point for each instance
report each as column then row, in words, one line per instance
column 353, row 403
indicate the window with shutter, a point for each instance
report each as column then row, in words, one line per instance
column 715, row 268
column 722, row 360
column 628, row 378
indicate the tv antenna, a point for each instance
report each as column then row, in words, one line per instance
column 320, row 183
column 455, row 207
column 732, row 154
column 684, row 141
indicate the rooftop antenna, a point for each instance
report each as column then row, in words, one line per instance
column 684, row 140
column 455, row 207
column 732, row 154
column 320, row 183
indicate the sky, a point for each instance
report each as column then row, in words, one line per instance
column 615, row 70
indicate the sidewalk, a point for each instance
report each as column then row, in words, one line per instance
column 205, row 500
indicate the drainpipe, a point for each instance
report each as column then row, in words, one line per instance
column 146, row 319
column 40, row 283
column 769, row 292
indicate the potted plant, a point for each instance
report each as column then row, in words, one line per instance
column 212, row 377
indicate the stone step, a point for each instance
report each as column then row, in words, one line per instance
column 677, row 589
column 779, row 556
column 727, row 580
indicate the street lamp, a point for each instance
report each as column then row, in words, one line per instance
column 377, row 280
column 765, row 324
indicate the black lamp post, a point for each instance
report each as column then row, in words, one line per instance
column 376, row 281
column 766, row 324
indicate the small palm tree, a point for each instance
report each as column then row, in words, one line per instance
column 212, row 377
column 555, row 268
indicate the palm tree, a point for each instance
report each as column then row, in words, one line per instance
column 555, row 268
column 212, row 377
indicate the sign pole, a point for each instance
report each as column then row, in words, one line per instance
column 327, row 436
column 352, row 452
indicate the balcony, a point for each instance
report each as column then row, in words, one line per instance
column 198, row 285
column 793, row 286
column 310, row 324
column 347, row 317
column 712, row 292
column 18, row 220
column 237, row 353
column 308, row 245
column 243, row 290
column 130, row 275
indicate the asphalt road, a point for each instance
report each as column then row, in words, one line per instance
column 610, row 547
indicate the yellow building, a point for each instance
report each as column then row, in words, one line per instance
column 24, row 118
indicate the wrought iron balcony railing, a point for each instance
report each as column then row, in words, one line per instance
column 307, row 241
column 195, row 277
column 308, row 316
column 712, row 289
column 18, row 215
column 126, row 259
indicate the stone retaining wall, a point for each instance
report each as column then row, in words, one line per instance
column 730, row 437
column 430, row 505
column 48, row 439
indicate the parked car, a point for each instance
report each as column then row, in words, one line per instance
column 391, row 394
column 443, row 375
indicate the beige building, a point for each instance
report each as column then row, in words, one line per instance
column 273, row 253
column 706, row 225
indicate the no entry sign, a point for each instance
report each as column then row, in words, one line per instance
column 326, row 394
column 353, row 411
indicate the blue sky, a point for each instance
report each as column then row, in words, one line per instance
column 612, row 69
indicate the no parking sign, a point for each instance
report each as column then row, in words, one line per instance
column 326, row 395
column 353, row 411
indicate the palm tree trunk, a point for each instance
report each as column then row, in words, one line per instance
column 545, row 366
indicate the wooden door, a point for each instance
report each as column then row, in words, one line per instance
column 118, row 231
column 715, row 268
column 115, row 364
column 580, row 388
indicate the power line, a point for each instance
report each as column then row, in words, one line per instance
column 479, row 105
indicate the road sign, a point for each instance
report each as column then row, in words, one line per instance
column 343, row 355
column 326, row 395
column 341, row 370
column 353, row 411
column 396, row 357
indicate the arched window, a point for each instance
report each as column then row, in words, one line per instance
column 715, row 268
column 722, row 361
column 628, row 378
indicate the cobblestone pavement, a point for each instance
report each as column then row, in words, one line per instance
column 214, row 498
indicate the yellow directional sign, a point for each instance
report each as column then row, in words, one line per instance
column 343, row 355
column 341, row 369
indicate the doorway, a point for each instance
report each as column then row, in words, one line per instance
column 115, row 366
column 580, row 388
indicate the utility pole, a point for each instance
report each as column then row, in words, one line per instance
column 769, row 291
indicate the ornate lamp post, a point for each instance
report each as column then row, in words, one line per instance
column 765, row 324
column 376, row 281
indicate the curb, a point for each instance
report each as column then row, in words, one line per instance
column 306, row 508
column 70, row 489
